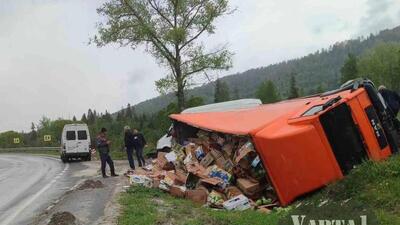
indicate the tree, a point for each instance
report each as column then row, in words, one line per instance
column 221, row 93
column 293, row 89
column 382, row 65
column 91, row 117
column 107, row 117
column 120, row 116
column 74, row 118
column 267, row 92
column 320, row 89
column 194, row 101
column 33, row 133
column 170, row 31
column 349, row 70
column 84, row 119
column 235, row 95
column 128, row 112
column 44, row 122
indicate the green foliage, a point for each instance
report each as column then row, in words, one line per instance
column 371, row 186
column 7, row 139
column 170, row 31
column 267, row 92
column 84, row 118
column 319, row 68
column 236, row 94
column 129, row 112
column 153, row 126
column 221, row 93
column 349, row 70
column 293, row 89
column 382, row 65
column 194, row 101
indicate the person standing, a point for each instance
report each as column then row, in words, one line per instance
column 391, row 98
column 103, row 147
column 139, row 143
column 129, row 145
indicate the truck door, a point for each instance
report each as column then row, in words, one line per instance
column 344, row 137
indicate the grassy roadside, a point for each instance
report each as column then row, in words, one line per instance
column 152, row 206
column 372, row 189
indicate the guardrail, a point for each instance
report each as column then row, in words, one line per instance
column 30, row 149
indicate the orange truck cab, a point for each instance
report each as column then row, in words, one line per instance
column 307, row 143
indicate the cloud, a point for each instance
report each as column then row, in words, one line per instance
column 47, row 68
column 379, row 14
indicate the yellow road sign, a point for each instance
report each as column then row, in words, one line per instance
column 16, row 141
column 47, row 138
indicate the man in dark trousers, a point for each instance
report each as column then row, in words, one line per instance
column 103, row 147
column 129, row 145
column 391, row 98
column 139, row 143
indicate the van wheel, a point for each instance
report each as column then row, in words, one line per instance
column 64, row 159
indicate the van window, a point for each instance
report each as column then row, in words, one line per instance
column 82, row 135
column 71, row 135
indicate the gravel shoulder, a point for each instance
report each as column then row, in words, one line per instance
column 93, row 200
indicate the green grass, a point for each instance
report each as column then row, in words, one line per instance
column 372, row 189
column 152, row 206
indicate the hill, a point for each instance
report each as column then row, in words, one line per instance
column 319, row 69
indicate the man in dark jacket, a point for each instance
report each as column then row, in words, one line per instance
column 103, row 147
column 139, row 142
column 129, row 145
column 391, row 98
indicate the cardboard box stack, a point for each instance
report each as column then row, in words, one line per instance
column 222, row 171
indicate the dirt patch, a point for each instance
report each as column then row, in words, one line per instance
column 91, row 184
column 62, row 218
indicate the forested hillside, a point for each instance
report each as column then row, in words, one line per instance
column 314, row 71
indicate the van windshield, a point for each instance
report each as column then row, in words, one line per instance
column 82, row 135
column 71, row 135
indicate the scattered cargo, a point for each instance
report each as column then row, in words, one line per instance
column 270, row 155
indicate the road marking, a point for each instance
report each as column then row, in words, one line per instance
column 28, row 202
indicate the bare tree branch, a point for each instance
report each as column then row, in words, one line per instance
column 157, row 42
column 155, row 7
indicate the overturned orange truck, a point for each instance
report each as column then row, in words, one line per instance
column 307, row 143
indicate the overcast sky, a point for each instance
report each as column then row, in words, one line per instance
column 47, row 68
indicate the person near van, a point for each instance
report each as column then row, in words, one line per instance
column 391, row 98
column 129, row 145
column 139, row 142
column 103, row 147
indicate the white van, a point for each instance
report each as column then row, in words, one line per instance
column 164, row 143
column 75, row 142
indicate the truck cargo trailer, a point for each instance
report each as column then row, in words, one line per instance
column 307, row 143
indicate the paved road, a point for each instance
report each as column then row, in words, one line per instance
column 29, row 184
